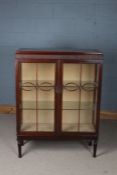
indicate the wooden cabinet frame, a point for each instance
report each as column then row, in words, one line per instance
column 73, row 95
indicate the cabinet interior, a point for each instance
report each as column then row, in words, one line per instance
column 78, row 96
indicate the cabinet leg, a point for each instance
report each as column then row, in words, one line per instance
column 94, row 148
column 20, row 143
column 90, row 143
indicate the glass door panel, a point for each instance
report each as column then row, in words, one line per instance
column 46, row 120
column 46, row 97
column 46, row 109
column 28, row 122
column 38, row 97
column 46, row 100
column 88, row 96
column 79, row 97
column 28, row 100
column 71, row 97
column 28, row 73
column 88, row 72
column 71, row 75
column 28, row 97
column 70, row 120
column 46, row 72
column 70, row 100
column 86, row 121
column 28, row 86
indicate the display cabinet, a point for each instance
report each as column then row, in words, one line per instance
column 58, row 95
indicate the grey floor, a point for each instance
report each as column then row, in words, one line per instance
column 57, row 158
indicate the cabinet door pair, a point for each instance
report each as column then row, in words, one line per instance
column 58, row 97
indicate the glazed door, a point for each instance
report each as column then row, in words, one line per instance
column 37, row 98
column 79, row 97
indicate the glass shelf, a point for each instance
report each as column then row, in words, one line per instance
column 66, row 127
column 73, row 127
column 44, row 127
column 49, row 105
column 28, row 105
column 74, row 105
column 43, row 105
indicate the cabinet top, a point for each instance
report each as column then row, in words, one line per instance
column 35, row 54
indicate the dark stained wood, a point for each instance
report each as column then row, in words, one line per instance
column 59, row 58
column 47, row 52
column 18, row 112
column 58, row 96
column 98, row 98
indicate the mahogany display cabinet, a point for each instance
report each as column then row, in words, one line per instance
column 58, row 95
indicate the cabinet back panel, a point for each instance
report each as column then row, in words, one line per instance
column 71, row 96
column 86, row 116
column 46, row 116
column 70, row 116
column 87, row 96
column 71, row 72
column 79, row 72
column 46, row 71
column 28, row 71
column 45, row 95
column 39, row 71
column 29, row 95
column 28, row 116
column 88, row 72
